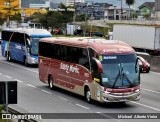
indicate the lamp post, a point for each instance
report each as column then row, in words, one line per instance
column 7, row 3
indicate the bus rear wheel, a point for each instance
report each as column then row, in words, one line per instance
column 88, row 95
column 50, row 82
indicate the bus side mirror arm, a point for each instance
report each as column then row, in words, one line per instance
column 99, row 65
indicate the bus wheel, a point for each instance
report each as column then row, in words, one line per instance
column 50, row 82
column 88, row 95
column 8, row 57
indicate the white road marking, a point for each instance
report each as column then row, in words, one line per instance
column 18, row 80
column 82, row 106
column 19, row 66
column 151, row 90
column 46, row 91
column 62, row 98
column 146, row 106
column 31, row 86
column 98, row 112
column 0, row 73
column 7, row 76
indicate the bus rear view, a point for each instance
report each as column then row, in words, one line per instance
column 98, row 69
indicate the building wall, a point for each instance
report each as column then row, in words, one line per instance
column 27, row 11
column 71, row 2
column 157, row 5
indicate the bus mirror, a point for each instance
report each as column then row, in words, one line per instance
column 29, row 43
column 96, row 65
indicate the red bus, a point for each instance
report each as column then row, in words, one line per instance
column 98, row 69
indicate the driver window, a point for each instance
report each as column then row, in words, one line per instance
column 94, row 66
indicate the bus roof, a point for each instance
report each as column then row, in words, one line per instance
column 101, row 46
column 30, row 31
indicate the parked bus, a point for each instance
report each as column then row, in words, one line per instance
column 22, row 44
column 98, row 69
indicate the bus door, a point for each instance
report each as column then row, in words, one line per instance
column 17, row 48
column 96, row 77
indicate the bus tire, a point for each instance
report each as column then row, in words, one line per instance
column 50, row 82
column 88, row 95
column 8, row 56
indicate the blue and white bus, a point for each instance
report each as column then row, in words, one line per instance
column 22, row 44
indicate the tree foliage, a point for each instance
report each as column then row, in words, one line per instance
column 53, row 19
column 10, row 8
column 130, row 2
column 1, row 18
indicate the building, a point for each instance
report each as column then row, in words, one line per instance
column 157, row 8
column 19, row 8
column 45, row 5
column 112, row 13
column 147, row 9
column 72, row 2
column 93, row 10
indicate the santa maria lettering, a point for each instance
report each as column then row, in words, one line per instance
column 69, row 68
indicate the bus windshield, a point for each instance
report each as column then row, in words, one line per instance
column 34, row 46
column 120, row 71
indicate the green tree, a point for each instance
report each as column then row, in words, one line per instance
column 53, row 19
column 16, row 17
column 129, row 3
column 67, row 15
column 1, row 19
column 80, row 17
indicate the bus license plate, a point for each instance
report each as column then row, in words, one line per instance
column 122, row 100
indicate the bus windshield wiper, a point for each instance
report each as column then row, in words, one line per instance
column 119, row 74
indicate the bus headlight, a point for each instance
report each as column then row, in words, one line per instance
column 106, row 92
column 138, row 90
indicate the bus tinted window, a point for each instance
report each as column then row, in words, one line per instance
column 18, row 38
column 66, row 53
column 6, row 35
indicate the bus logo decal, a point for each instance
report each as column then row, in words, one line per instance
column 70, row 68
column 18, row 46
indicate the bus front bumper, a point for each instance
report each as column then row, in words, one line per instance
column 121, row 97
column 32, row 60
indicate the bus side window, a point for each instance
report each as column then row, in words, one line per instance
column 27, row 41
column 92, row 53
column 83, row 58
column 18, row 38
column 94, row 66
column 6, row 35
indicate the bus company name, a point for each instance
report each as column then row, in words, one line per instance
column 70, row 68
column 18, row 46
column 117, row 50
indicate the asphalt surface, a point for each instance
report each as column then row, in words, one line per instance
column 36, row 97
